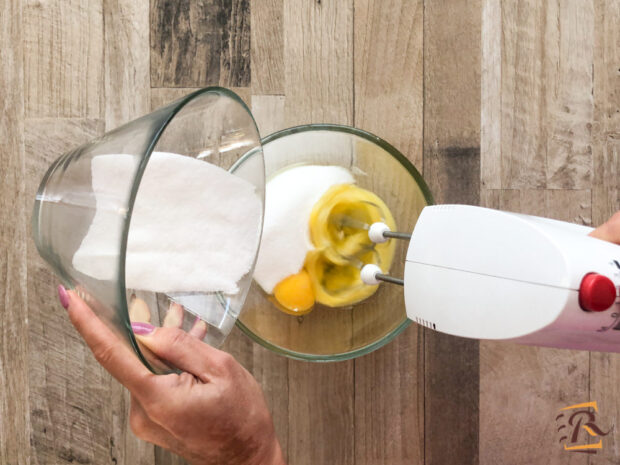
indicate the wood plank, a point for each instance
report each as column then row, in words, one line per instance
column 569, row 92
column 70, row 401
column 389, row 402
column 546, row 100
column 127, row 90
column 389, row 383
column 195, row 44
column 63, row 58
column 127, row 71
column 388, row 72
column 124, row 447
column 269, row 369
column 15, row 427
column 452, row 57
column 268, row 111
column 605, row 368
column 318, row 61
column 320, row 413
column 548, row 137
column 606, row 136
column 452, row 64
column 491, row 101
column 267, row 51
column 522, row 388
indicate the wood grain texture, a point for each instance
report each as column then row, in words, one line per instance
column 195, row 44
column 491, row 96
column 523, row 388
column 268, row 112
column 514, row 105
column 15, row 445
column 605, row 368
column 318, row 68
column 389, row 383
column 606, row 134
column 388, row 72
column 63, row 58
column 389, row 402
column 269, row 369
column 541, row 114
column 267, row 51
column 127, row 78
column 70, row 401
column 318, row 62
column 559, row 114
column 604, row 373
column 125, row 447
column 452, row 57
column 127, row 96
column 320, row 413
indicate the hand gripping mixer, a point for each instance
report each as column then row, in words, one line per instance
column 486, row 274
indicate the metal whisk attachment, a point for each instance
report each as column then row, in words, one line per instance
column 372, row 274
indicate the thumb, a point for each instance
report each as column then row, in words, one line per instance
column 610, row 230
column 185, row 352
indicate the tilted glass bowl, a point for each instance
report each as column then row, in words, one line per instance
column 84, row 214
column 329, row 334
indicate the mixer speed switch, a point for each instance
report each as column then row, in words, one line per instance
column 597, row 293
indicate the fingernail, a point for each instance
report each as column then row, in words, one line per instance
column 63, row 296
column 142, row 329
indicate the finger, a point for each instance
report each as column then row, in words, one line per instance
column 174, row 316
column 199, row 330
column 187, row 353
column 609, row 231
column 115, row 356
column 139, row 311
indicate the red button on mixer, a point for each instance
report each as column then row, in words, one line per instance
column 596, row 293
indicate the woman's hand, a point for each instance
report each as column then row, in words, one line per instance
column 609, row 231
column 212, row 413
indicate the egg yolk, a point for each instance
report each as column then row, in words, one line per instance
column 294, row 293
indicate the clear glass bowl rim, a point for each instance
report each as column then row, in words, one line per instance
column 405, row 163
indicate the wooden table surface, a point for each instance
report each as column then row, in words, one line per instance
column 513, row 105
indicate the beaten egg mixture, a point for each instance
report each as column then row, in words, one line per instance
column 315, row 239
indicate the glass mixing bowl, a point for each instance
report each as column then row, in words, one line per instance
column 329, row 334
column 145, row 181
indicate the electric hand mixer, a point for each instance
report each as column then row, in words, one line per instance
column 486, row 274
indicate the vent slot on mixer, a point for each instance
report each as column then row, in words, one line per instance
column 426, row 323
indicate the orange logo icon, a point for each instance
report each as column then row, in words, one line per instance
column 577, row 425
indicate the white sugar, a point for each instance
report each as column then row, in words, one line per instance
column 194, row 226
column 289, row 198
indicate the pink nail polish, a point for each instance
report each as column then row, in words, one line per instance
column 142, row 329
column 63, row 296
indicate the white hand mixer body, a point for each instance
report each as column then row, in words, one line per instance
column 486, row 274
